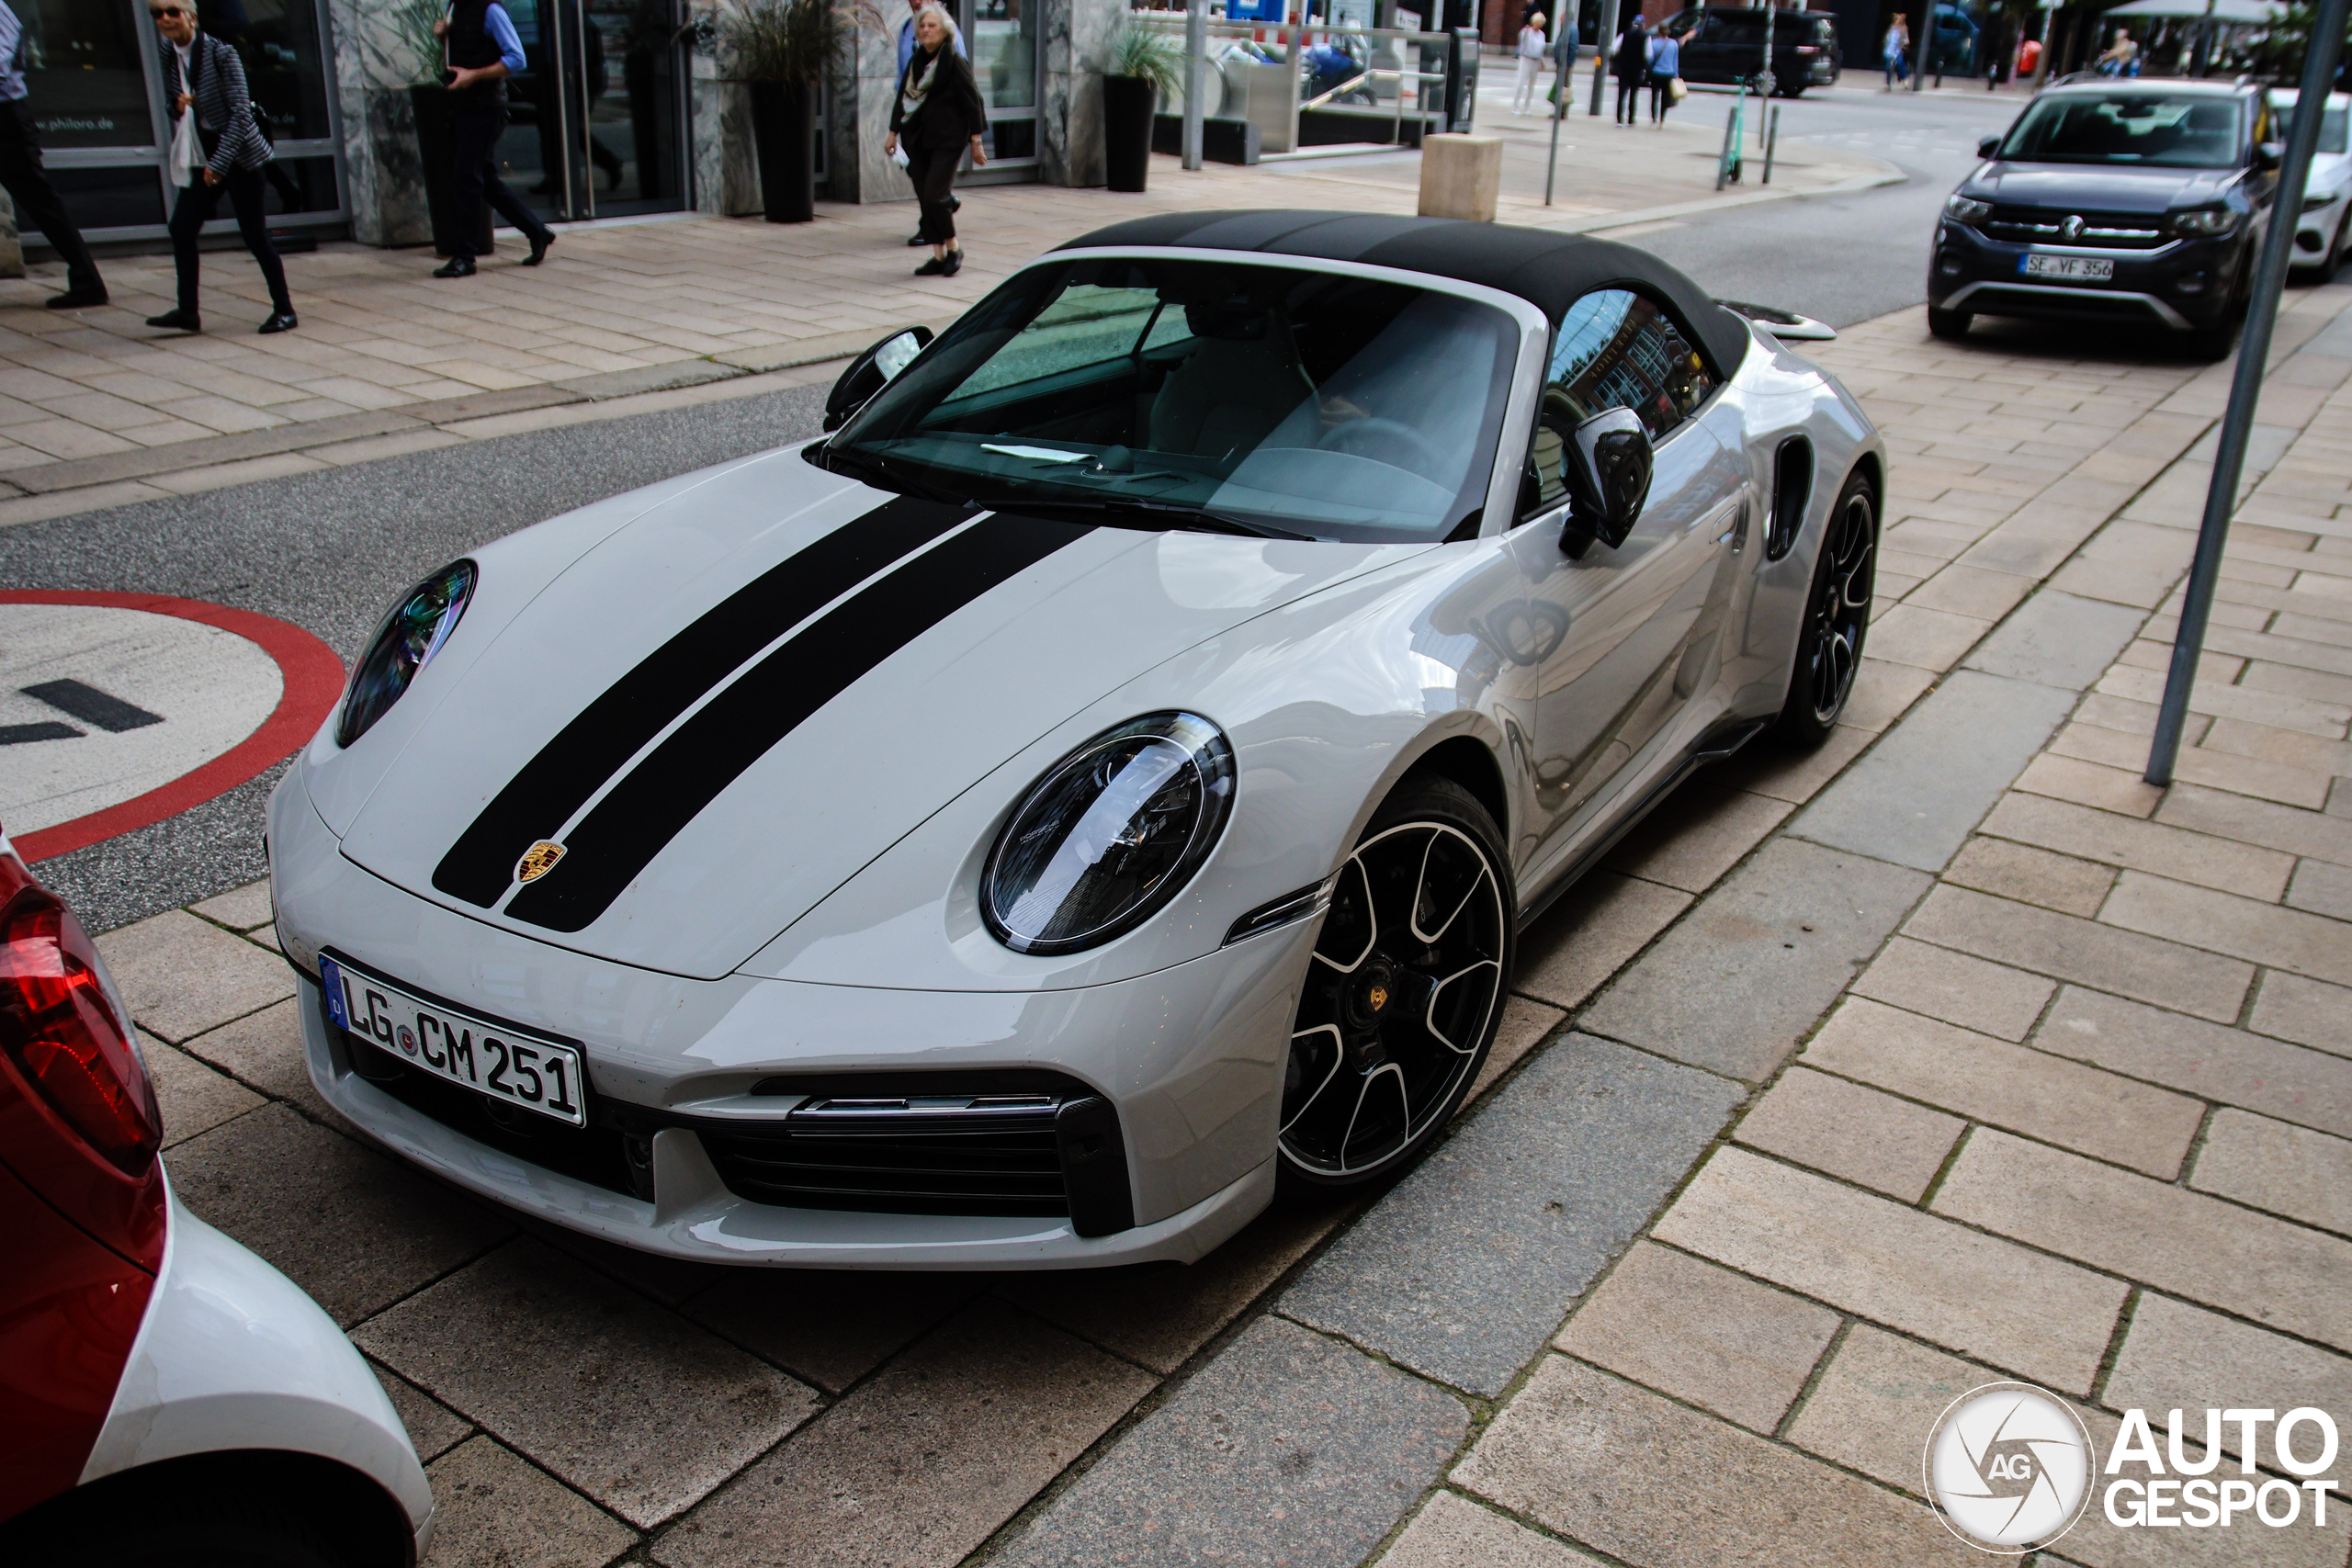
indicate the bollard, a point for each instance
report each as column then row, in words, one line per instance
column 1461, row 175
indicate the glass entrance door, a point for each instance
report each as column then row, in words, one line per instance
column 597, row 125
column 1002, row 37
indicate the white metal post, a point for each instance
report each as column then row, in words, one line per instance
column 1196, row 38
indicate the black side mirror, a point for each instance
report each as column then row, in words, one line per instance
column 872, row 371
column 2269, row 155
column 1609, row 466
column 1988, row 145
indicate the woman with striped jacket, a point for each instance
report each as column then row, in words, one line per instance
column 208, row 81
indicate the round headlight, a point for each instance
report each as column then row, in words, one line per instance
column 1110, row 835
column 405, row 643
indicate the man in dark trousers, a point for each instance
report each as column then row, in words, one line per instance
column 484, row 50
column 20, row 175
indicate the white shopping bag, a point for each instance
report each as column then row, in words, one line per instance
column 186, row 156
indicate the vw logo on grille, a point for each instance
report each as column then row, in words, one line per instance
column 2070, row 228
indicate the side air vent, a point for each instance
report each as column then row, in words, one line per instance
column 1792, row 489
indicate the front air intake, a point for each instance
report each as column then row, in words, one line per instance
column 1792, row 489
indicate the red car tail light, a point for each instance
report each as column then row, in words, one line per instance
column 61, row 1030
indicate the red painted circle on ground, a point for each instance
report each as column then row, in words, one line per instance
column 313, row 677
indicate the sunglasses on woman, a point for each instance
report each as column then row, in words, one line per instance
column 165, row 13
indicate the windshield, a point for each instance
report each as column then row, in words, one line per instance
column 2183, row 132
column 1262, row 399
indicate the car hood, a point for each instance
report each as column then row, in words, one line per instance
column 722, row 717
column 2090, row 187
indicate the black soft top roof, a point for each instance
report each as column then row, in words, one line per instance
column 1549, row 271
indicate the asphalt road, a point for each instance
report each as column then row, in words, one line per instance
column 328, row 551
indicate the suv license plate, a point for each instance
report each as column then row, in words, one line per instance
column 2086, row 269
column 524, row 1070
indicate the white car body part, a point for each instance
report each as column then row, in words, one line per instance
column 233, row 1356
column 2320, row 225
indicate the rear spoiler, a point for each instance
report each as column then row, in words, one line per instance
column 1786, row 325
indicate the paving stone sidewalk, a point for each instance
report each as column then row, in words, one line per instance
column 97, row 410
column 1808, row 1114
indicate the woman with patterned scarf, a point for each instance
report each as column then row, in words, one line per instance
column 937, row 115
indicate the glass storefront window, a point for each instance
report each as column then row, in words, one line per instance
column 278, row 41
column 87, row 84
column 1002, row 35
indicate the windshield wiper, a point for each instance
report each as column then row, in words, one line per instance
column 1197, row 519
column 884, row 473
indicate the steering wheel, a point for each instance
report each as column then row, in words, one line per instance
column 1377, row 438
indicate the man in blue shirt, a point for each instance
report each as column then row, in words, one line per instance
column 21, row 176
column 483, row 53
column 906, row 53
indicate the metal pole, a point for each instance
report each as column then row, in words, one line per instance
column 1601, row 52
column 1559, row 110
column 2246, row 388
column 1920, row 45
column 2049, row 36
column 1196, row 43
column 1771, row 142
column 1765, row 93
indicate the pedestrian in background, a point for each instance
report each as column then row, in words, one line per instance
column 484, row 50
column 1565, row 46
column 906, row 51
column 1630, row 64
column 937, row 114
column 1666, row 74
column 1531, row 47
column 217, row 149
column 1895, row 53
column 27, row 186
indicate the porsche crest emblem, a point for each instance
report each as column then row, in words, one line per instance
column 538, row 860
column 1378, row 998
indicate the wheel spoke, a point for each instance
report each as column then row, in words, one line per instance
column 1339, row 1055
column 1358, row 905
column 1429, row 1018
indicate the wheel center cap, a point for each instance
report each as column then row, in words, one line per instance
column 1368, row 998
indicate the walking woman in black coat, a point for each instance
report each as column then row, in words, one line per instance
column 937, row 115
column 1630, row 66
column 208, row 81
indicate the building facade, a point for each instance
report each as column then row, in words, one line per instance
column 625, row 109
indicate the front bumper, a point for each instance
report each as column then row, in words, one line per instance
column 2315, row 230
column 2181, row 286
column 1188, row 1058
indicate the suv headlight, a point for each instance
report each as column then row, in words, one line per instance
column 1967, row 209
column 2202, row 222
column 419, row 623
column 1106, row 839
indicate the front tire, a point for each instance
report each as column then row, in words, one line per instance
column 1836, row 619
column 1949, row 325
column 1403, row 991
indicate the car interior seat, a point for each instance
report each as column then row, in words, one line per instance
column 1244, row 377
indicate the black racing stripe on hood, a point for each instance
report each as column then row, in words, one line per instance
column 595, row 745
column 667, row 790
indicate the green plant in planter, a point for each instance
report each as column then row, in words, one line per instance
column 418, row 59
column 1146, row 54
column 790, row 41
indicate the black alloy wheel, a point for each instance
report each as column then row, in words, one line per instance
column 1837, row 619
column 1403, row 991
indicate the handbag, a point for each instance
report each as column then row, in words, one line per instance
column 1675, row 90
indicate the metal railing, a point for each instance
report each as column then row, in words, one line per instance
column 1277, row 119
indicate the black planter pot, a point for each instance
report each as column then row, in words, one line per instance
column 783, row 131
column 1127, row 104
column 436, row 144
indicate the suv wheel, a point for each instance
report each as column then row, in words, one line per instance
column 1949, row 325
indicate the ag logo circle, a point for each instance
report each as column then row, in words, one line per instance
column 2008, row 1468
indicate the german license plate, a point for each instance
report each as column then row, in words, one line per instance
column 523, row 1070
column 2071, row 270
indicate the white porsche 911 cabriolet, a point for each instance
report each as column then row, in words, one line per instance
column 1102, row 777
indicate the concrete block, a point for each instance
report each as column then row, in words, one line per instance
column 1461, row 175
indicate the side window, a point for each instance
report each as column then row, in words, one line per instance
column 1617, row 350
column 1614, row 349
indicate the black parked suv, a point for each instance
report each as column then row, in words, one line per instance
column 1728, row 46
column 2136, row 201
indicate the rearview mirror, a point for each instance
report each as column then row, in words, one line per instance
column 1609, row 466
column 1988, row 145
column 872, row 371
column 2269, row 155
